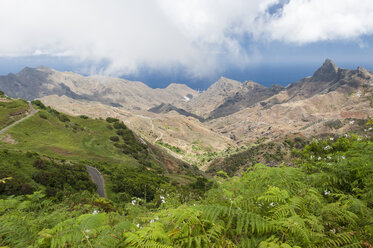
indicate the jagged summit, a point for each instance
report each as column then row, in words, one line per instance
column 225, row 84
column 327, row 72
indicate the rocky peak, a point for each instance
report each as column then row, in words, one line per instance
column 252, row 84
column 327, row 72
column 277, row 87
column 364, row 73
column 225, row 84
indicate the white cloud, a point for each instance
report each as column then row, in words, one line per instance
column 200, row 36
column 306, row 21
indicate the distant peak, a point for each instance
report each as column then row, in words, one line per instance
column 44, row 68
column 226, row 81
column 329, row 62
column 327, row 72
column 174, row 85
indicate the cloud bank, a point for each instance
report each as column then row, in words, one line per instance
column 199, row 36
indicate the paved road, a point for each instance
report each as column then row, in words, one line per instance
column 93, row 172
column 97, row 179
column 33, row 111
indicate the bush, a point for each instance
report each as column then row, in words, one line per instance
column 83, row 117
column 53, row 111
column 334, row 124
column 40, row 164
column 63, row 118
column 39, row 104
column 43, row 115
column 2, row 93
column 119, row 125
column 114, row 138
column 111, row 119
column 170, row 147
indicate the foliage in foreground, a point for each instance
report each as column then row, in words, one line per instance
column 326, row 201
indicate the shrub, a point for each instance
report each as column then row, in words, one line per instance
column 111, row 119
column 170, row 147
column 43, row 115
column 63, row 118
column 119, row 125
column 40, row 164
column 114, row 138
column 334, row 124
column 39, row 104
column 83, row 117
column 17, row 164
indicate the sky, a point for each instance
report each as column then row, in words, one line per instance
column 187, row 41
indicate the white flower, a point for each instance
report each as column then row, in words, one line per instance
column 365, row 130
column 331, row 138
column 95, row 212
column 369, row 128
column 319, row 158
column 163, row 201
column 326, row 192
column 359, row 139
column 87, row 230
column 329, row 157
column 271, row 204
column 346, row 135
column 326, row 147
column 311, row 157
column 138, row 225
column 151, row 221
column 343, row 157
column 133, row 202
column 161, row 197
column 156, row 218
column 352, row 122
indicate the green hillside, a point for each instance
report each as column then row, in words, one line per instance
column 61, row 140
column 58, row 135
column 11, row 110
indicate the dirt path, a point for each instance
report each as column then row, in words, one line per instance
column 33, row 111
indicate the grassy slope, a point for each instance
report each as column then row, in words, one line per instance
column 79, row 139
column 85, row 141
column 11, row 110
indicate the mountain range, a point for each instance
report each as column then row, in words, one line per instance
column 228, row 114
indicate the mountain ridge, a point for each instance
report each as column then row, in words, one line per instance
column 228, row 114
column 32, row 83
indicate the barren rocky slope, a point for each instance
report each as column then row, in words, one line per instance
column 308, row 107
column 213, row 97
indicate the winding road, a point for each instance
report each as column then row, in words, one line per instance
column 33, row 111
column 97, row 179
column 93, row 172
